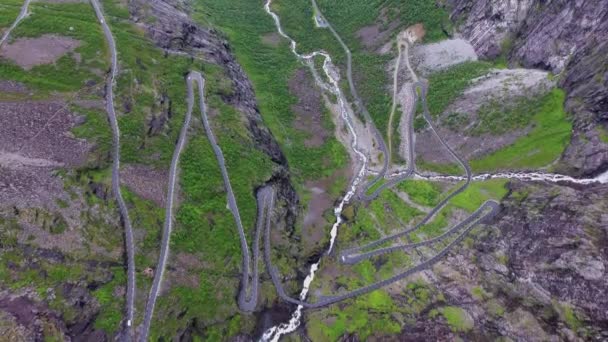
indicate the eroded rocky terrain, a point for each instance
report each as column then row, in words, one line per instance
column 564, row 37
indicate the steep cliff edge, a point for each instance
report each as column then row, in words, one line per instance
column 169, row 25
column 173, row 30
column 567, row 38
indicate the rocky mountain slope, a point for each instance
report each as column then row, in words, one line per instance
column 567, row 38
column 537, row 271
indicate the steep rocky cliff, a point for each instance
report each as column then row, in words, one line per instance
column 172, row 29
column 169, row 25
column 568, row 38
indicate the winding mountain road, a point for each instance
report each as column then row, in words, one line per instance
column 319, row 17
column 349, row 257
column 247, row 299
column 265, row 196
column 493, row 208
column 124, row 212
column 168, row 225
column 487, row 210
column 245, row 303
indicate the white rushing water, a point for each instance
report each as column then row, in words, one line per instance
column 274, row 333
column 524, row 176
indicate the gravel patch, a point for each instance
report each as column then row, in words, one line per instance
column 437, row 56
column 30, row 52
column 12, row 87
column 272, row 39
column 41, row 129
column 308, row 109
column 146, row 182
column 28, row 187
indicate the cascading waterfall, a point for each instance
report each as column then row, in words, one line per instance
column 273, row 334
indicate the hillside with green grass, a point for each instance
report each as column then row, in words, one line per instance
column 285, row 140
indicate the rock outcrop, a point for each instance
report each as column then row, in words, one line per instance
column 567, row 38
column 556, row 237
column 173, row 30
column 537, row 272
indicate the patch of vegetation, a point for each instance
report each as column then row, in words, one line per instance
column 148, row 81
column 502, row 258
column 569, row 316
column 446, row 85
column 396, row 158
column 520, row 196
column 47, row 278
column 362, row 228
column 95, row 130
column 75, row 20
column 112, row 306
column 9, row 230
column 347, row 18
column 222, row 332
column 478, row 192
column 422, row 192
column 375, row 186
column 455, row 120
column 350, row 16
column 434, row 228
column 546, row 141
column 479, row 293
column 149, row 217
column 498, row 117
column 390, row 211
column 419, row 123
column 419, row 296
column 603, row 133
column 368, row 315
column 9, row 10
column 457, row 318
column 53, row 222
column 495, row 308
column 505, row 48
column 444, row 169
column 338, row 186
column 269, row 68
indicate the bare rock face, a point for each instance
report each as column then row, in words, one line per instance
column 173, row 30
column 565, row 37
column 488, row 22
column 539, row 269
column 555, row 239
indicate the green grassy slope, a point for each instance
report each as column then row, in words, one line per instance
column 545, row 143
